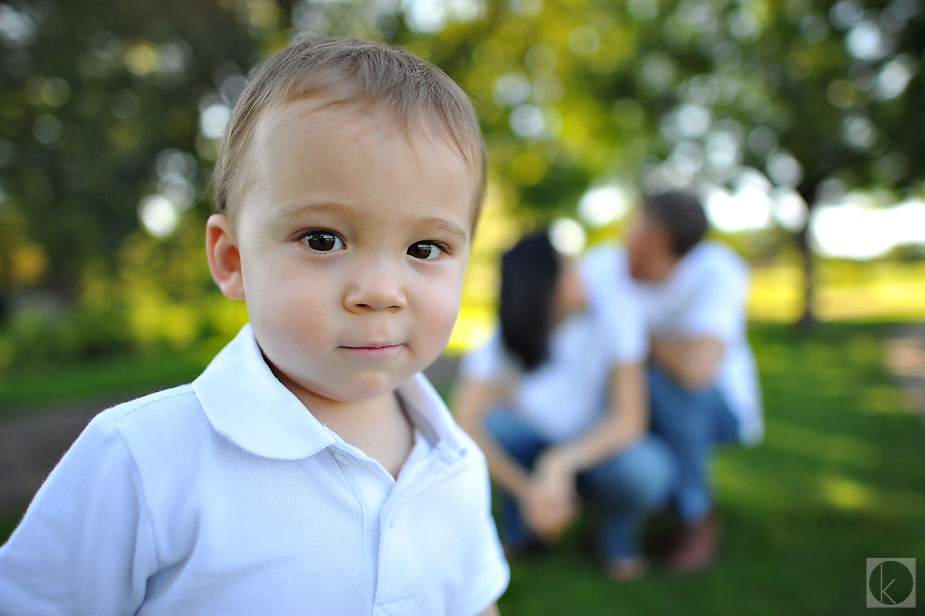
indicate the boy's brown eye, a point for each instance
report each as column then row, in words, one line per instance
column 424, row 250
column 322, row 241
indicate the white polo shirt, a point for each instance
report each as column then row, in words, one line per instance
column 566, row 395
column 704, row 295
column 225, row 496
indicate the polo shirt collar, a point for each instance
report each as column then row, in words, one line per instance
column 431, row 417
column 246, row 403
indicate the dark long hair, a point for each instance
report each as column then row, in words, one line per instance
column 529, row 275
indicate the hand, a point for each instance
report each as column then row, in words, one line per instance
column 550, row 501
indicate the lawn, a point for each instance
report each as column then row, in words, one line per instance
column 839, row 478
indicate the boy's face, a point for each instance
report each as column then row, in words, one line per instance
column 351, row 243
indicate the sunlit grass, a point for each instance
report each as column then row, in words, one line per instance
column 845, row 493
column 845, row 291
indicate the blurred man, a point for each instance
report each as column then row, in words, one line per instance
column 703, row 386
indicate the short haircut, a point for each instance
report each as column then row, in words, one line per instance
column 349, row 72
column 530, row 272
column 680, row 215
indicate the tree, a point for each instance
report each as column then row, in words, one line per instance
column 845, row 85
column 100, row 106
column 818, row 97
column 814, row 95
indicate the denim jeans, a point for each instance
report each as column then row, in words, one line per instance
column 625, row 488
column 690, row 422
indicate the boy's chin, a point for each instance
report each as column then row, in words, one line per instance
column 372, row 388
column 366, row 387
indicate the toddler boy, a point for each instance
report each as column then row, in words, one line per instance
column 311, row 468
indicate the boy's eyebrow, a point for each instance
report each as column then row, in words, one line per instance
column 431, row 223
column 300, row 206
column 439, row 224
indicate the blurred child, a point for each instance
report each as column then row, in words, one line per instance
column 556, row 399
column 311, row 468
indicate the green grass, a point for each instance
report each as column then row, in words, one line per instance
column 111, row 376
column 838, row 478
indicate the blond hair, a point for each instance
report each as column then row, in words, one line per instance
column 349, row 71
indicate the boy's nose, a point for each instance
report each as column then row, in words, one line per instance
column 377, row 286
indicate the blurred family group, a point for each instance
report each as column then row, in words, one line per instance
column 608, row 383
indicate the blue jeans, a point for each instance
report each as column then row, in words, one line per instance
column 691, row 422
column 625, row 487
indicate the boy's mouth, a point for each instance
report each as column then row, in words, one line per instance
column 372, row 351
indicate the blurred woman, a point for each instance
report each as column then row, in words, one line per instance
column 556, row 400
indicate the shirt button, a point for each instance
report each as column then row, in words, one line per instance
column 341, row 458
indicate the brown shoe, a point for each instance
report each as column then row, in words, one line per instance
column 625, row 569
column 694, row 548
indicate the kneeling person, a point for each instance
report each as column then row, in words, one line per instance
column 556, row 400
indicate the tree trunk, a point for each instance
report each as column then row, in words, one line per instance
column 807, row 319
column 6, row 281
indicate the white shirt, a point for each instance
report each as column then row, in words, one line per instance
column 566, row 395
column 226, row 496
column 704, row 295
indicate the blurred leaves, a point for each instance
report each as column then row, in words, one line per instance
column 88, row 103
column 109, row 115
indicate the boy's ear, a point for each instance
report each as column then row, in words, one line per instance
column 224, row 258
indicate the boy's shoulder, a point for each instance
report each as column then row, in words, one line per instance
column 174, row 396
column 154, row 406
column 162, row 420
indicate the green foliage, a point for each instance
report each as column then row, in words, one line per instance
column 103, row 106
column 158, row 299
column 36, row 339
column 93, row 98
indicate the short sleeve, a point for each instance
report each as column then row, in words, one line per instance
column 489, row 573
column 85, row 544
column 624, row 326
column 488, row 362
column 718, row 307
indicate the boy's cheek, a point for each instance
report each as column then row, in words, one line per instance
column 447, row 307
